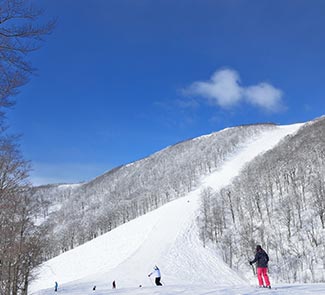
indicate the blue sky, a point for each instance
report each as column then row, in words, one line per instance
column 121, row 79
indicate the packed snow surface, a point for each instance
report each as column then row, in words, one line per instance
column 167, row 237
column 299, row 289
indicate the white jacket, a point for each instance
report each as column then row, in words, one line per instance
column 156, row 272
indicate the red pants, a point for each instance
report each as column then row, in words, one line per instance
column 262, row 272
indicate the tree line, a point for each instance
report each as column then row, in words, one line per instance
column 79, row 213
column 278, row 201
column 20, row 239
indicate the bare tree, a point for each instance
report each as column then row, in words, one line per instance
column 20, row 243
column 14, row 215
column 20, row 34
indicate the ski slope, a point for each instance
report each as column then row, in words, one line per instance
column 167, row 237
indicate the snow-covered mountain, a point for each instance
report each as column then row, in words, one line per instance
column 168, row 236
column 277, row 201
column 75, row 214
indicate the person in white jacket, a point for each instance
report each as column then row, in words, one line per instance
column 156, row 273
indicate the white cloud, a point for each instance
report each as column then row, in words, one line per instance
column 265, row 96
column 224, row 90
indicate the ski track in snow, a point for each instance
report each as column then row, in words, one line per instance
column 167, row 237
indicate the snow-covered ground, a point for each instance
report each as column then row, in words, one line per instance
column 210, row 289
column 167, row 237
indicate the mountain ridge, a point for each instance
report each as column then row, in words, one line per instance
column 172, row 221
column 134, row 189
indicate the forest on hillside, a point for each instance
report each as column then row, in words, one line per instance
column 277, row 201
column 75, row 214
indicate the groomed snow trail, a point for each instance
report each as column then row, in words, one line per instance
column 167, row 237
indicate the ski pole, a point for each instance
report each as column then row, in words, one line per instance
column 253, row 270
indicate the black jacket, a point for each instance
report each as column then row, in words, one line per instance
column 261, row 258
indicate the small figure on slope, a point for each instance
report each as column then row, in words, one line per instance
column 262, row 260
column 114, row 285
column 56, row 285
column 156, row 273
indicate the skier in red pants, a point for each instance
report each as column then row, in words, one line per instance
column 262, row 260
